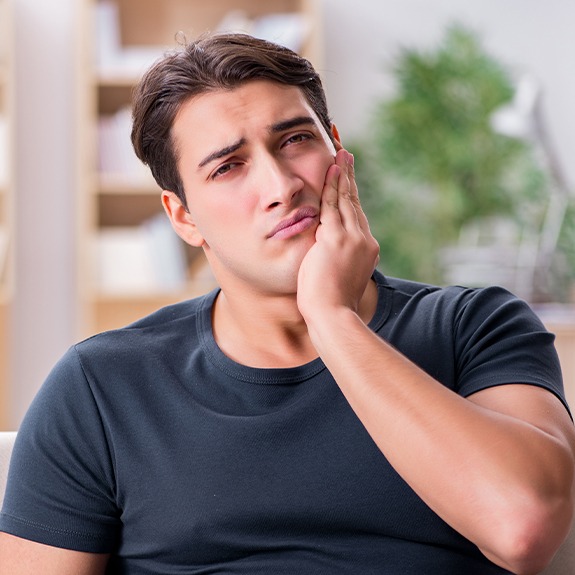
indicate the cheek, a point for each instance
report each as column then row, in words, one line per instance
column 322, row 168
column 314, row 170
column 220, row 218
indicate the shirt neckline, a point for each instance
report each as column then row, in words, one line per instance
column 276, row 376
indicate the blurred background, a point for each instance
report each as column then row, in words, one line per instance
column 460, row 116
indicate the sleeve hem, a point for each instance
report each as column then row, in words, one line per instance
column 487, row 385
column 56, row 537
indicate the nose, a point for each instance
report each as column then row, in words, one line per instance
column 279, row 184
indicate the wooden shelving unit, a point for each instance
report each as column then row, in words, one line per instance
column 120, row 39
column 6, row 193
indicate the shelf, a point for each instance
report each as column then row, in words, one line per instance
column 159, row 22
column 119, row 79
column 122, row 184
column 111, row 312
column 153, row 299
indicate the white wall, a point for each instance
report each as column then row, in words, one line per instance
column 43, row 315
column 530, row 36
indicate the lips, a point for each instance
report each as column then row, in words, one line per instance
column 299, row 221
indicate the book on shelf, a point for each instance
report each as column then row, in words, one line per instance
column 116, row 156
column 113, row 59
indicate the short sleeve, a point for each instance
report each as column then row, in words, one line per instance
column 500, row 340
column 60, row 488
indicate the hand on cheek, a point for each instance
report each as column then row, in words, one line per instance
column 338, row 266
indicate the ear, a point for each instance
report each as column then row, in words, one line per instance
column 337, row 139
column 181, row 219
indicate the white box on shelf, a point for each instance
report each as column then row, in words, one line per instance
column 123, row 262
column 144, row 259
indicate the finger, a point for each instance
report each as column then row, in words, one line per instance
column 346, row 203
column 329, row 208
column 354, row 195
column 350, row 165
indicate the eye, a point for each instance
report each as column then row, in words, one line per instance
column 223, row 170
column 298, row 138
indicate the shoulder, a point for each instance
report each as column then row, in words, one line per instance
column 132, row 354
column 459, row 304
column 463, row 317
column 162, row 328
column 479, row 337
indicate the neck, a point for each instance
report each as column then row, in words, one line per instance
column 269, row 332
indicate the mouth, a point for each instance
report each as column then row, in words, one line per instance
column 300, row 221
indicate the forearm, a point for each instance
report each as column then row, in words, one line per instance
column 481, row 470
column 497, row 466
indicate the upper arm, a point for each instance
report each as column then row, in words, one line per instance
column 23, row 557
column 532, row 404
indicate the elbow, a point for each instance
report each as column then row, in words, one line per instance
column 528, row 543
column 536, row 521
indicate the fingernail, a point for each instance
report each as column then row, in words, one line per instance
column 350, row 159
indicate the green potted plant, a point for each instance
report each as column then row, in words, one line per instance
column 431, row 163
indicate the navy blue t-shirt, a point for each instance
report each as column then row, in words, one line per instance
column 149, row 443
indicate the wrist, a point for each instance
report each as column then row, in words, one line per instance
column 332, row 327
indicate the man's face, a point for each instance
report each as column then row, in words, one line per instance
column 253, row 162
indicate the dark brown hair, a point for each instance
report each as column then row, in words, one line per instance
column 213, row 62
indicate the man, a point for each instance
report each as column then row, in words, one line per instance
column 311, row 416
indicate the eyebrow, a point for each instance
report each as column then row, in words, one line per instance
column 223, row 152
column 273, row 129
column 292, row 123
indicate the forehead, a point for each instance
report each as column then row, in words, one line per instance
column 262, row 94
column 225, row 115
